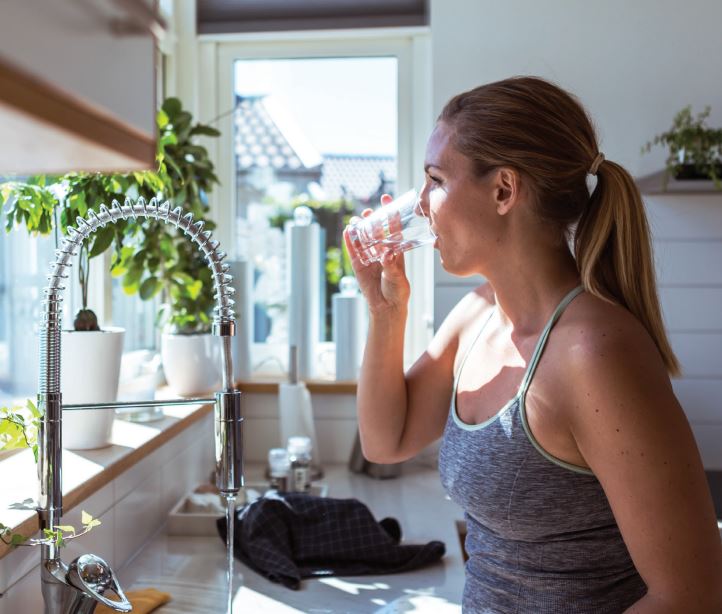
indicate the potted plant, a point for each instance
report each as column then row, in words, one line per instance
column 155, row 258
column 694, row 149
column 91, row 357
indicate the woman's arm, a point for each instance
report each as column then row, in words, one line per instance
column 634, row 435
column 400, row 414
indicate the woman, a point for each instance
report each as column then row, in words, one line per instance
column 562, row 438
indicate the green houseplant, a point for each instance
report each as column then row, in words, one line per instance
column 90, row 367
column 694, row 149
column 157, row 259
column 150, row 257
column 154, row 258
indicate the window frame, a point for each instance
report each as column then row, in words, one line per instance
column 412, row 49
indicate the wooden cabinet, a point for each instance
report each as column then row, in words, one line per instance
column 77, row 86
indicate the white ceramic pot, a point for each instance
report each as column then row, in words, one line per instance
column 191, row 363
column 89, row 373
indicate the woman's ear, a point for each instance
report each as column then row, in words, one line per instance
column 507, row 186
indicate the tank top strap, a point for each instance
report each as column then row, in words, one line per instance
column 543, row 338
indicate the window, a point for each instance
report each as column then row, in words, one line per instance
column 24, row 264
column 288, row 106
column 319, row 132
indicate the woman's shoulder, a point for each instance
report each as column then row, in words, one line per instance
column 594, row 330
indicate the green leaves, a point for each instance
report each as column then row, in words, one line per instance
column 149, row 256
column 28, row 204
column 88, row 521
column 149, row 288
column 101, row 241
column 691, row 142
column 19, row 427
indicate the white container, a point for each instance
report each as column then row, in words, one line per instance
column 349, row 329
column 191, row 363
column 89, row 373
column 304, row 258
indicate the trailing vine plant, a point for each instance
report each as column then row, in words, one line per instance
column 19, row 429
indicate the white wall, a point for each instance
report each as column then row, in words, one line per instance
column 633, row 65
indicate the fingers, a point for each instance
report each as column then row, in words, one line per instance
column 393, row 264
column 395, row 226
column 386, row 199
column 350, row 247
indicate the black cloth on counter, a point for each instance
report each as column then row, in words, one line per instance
column 290, row 536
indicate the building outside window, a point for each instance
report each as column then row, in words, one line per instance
column 319, row 132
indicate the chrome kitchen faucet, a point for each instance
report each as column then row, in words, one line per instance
column 77, row 588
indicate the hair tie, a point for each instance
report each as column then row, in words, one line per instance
column 596, row 164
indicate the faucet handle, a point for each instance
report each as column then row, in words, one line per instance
column 93, row 576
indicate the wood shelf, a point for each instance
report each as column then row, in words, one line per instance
column 653, row 185
column 270, row 386
column 45, row 129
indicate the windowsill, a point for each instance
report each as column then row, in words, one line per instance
column 86, row 471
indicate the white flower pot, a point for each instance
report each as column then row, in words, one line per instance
column 89, row 373
column 191, row 363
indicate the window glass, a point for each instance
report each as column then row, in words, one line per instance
column 24, row 265
column 318, row 132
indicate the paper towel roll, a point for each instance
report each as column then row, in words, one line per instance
column 349, row 334
column 295, row 414
column 304, row 258
column 242, row 272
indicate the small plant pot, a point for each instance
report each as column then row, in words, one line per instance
column 684, row 172
column 89, row 373
column 191, row 363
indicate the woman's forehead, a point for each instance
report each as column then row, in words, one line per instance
column 441, row 152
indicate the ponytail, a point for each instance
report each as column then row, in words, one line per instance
column 614, row 254
column 542, row 131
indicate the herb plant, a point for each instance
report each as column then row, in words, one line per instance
column 695, row 150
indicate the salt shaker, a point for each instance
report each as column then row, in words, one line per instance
column 299, row 455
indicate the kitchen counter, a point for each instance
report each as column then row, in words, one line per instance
column 193, row 569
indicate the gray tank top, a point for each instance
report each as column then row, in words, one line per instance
column 541, row 537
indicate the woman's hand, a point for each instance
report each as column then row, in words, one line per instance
column 384, row 285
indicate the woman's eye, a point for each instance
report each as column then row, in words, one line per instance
column 435, row 180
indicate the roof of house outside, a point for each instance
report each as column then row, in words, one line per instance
column 356, row 175
column 266, row 136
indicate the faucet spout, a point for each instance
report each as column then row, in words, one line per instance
column 77, row 588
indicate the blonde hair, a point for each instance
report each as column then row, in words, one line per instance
column 543, row 132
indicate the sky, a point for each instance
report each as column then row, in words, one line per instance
column 344, row 105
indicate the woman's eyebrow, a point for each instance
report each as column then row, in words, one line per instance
column 431, row 165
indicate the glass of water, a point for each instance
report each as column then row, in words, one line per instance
column 397, row 227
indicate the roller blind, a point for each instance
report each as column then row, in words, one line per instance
column 235, row 16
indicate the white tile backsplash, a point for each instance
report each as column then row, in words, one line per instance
column 137, row 516
column 24, row 597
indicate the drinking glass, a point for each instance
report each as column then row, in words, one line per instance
column 397, row 227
